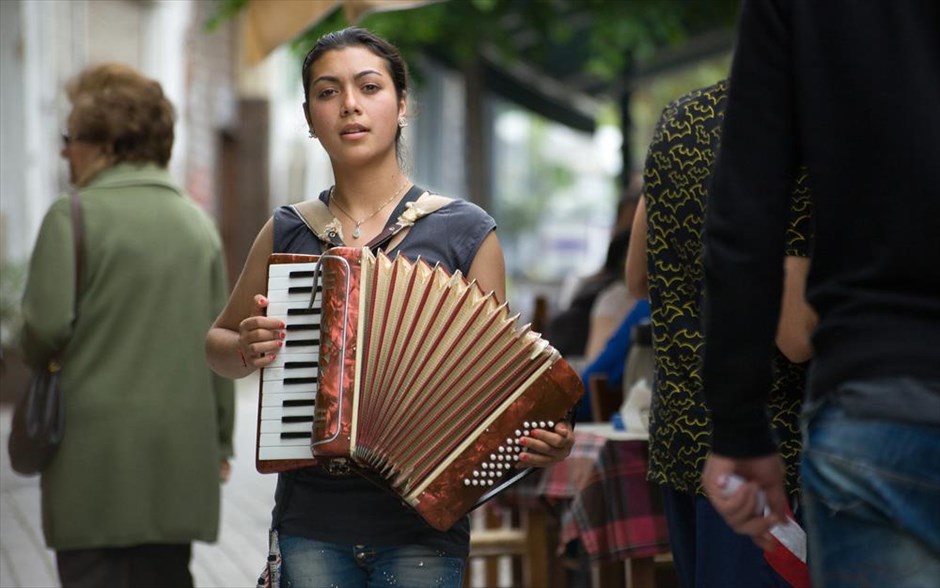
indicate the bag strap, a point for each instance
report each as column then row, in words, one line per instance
column 78, row 242
column 318, row 218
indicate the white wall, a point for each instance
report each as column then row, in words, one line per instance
column 44, row 44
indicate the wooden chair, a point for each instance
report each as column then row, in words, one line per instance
column 605, row 399
column 524, row 538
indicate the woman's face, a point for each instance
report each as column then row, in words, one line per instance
column 353, row 106
column 85, row 159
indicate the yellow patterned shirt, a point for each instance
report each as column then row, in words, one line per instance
column 676, row 177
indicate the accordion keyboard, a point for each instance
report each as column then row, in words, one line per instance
column 289, row 384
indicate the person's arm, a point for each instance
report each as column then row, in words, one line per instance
column 48, row 298
column 612, row 304
column 635, row 267
column 797, row 317
column 745, row 224
column 744, row 244
column 242, row 339
column 488, row 267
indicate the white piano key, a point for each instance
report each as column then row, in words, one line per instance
column 281, row 373
column 269, row 413
column 278, row 388
column 277, row 426
column 281, row 270
column 299, row 298
column 285, row 282
column 277, row 398
column 288, row 452
column 282, row 358
column 275, row 440
column 293, row 338
column 279, row 310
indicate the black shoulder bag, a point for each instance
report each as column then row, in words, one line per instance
column 39, row 419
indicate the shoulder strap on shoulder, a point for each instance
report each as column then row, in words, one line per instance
column 427, row 203
column 318, row 218
column 415, row 210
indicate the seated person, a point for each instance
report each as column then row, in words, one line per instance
column 612, row 359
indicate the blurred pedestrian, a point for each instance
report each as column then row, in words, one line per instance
column 614, row 301
column 148, row 426
column 853, row 90
column 569, row 330
column 334, row 526
column 705, row 550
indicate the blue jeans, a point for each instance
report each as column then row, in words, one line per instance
column 317, row 564
column 871, row 492
column 706, row 552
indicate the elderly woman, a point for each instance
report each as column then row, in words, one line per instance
column 148, row 426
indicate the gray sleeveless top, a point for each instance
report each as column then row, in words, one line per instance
column 352, row 510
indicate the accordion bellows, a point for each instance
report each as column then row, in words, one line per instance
column 425, row 382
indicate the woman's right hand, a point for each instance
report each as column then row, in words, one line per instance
column 260, row 337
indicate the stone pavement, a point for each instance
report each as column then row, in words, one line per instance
column 234, row 561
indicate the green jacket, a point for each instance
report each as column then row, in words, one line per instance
column 147, row 422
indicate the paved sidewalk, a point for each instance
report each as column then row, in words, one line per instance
column 234, row 561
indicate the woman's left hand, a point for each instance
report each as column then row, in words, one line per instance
column 544, row 448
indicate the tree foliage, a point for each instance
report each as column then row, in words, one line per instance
column 602, row 38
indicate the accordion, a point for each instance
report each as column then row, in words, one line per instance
column 416, row 377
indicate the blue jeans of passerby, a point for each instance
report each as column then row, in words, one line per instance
column 871, row 497
column 707, row 553
column 317, row 564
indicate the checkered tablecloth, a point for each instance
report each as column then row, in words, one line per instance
column 606, row 501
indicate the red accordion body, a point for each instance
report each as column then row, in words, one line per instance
column 425, row 384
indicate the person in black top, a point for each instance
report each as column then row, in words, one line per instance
column 336, row 528
column 853, row 90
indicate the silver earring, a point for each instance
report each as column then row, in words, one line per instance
column 312, row 134
column 402, row 123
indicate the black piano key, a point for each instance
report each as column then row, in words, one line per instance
column 295, row 435
column 295, row 403
column 299, row 364
column 302, row 289
column 303, row 327
column 302, row 342
column 301, row 311
column 301, row 274
column 297, row 419
column 312, row 380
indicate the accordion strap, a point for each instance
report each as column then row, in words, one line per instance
column 318, row 218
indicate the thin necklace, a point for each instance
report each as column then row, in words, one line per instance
column 356, row 232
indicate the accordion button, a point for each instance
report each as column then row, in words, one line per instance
column 476, row 474
column 525, row 425
column 486, row 464
column 541, row 424
column 525, row 433
column 508, row 441
column 501, row 449
column 518, row 433
column 493, row 456
column 466, row 482
column 551, row 424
